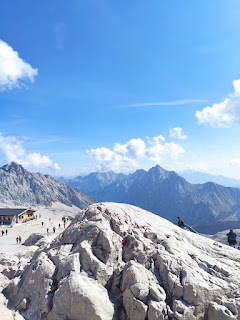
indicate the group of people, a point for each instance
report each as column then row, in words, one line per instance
column 232, row 237
column 19, row 240
column 4, row 232
column 54, row 230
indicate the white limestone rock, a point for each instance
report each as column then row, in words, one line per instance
column 32, row 239
column 157, row 311
column 81, row 298
column 116, row 261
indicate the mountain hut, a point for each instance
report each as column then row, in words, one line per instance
column 19, row 215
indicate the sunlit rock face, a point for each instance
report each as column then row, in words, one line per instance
column 116, row 261
column 21, row 187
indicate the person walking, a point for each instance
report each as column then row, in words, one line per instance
column 180, row 223
column 2, row 233
column 17, row 240
column 6, row 232
column 54, row 229
column 232, row 238
column 47, row 230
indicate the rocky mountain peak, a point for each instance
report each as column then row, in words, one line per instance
column 20, row 187
column 14, row 167
column 159, row 172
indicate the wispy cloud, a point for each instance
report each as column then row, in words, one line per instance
column 168, row 103
column 13, row 70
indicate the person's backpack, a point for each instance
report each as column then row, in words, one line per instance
column 232, row 237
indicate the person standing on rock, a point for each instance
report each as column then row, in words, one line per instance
column 180, row 223
column 232, row 238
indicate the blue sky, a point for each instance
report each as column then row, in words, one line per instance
column 101, row 84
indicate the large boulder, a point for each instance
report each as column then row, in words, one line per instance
column 81, row 298
column 33, row 239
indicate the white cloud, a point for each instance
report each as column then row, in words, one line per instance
column 126, row 157
column 162, row 152
column 177, row 133
column 135, row 148
column 224, row 113
column 157, row 139
column 110, row 160
column 235, row 163
column 13, row 150
column 13, row 70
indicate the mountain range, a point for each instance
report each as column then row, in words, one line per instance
column 209, row 207
column 201, row 177
column 93, row 183
column 21, row 187
column 169, row 195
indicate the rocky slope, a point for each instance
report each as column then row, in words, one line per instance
column 21, row 187
column 117, row 261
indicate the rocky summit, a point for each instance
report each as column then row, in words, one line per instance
column 116, row 261
column 21, row 187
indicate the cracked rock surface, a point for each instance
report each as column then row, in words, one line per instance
column 116, row 261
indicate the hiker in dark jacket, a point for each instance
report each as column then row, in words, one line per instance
column 232, row 238
column 180, row 223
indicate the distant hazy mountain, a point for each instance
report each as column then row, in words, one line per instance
column 21, row 187
column 169, row 195
column 201, row 177
column 93, row 183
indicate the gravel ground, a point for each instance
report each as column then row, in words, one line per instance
column 51, row 217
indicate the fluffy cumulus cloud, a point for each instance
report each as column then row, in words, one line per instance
column 126, row 157
column 162, row 152
column 13, row 70
column 224, row 113
column 177, row 133
column 13, row 150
